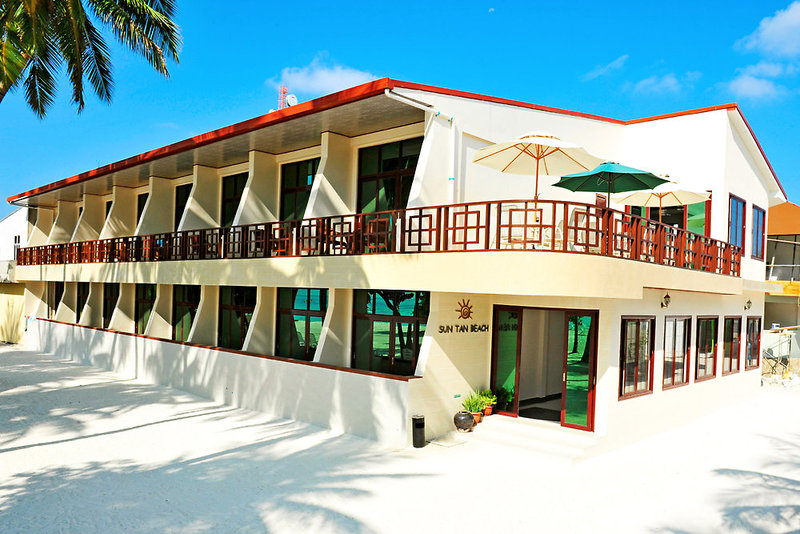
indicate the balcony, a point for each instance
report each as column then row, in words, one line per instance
column 514, row 225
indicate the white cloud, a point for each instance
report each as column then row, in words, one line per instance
column 318, row 78
column 765, row 69
column 749, row 86
column 602, row 70
column 491, row 10
column 667, row 83
column 776, row 35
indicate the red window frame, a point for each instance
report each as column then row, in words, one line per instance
column 687, row 335
column 622, row 353
column 759, row 237
column 731, row 349
column 733, row 198
column 699, row 330
column 752, row 345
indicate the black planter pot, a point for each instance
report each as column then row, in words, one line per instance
column 464, row 421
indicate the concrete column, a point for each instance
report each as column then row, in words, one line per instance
column 66, row 309
column 336, row 337
column 35, row 299
column 160, row 324
column 91, row 220
column 39, row 225
column 92, row 313
column 204, row 329
column 334, row 189
column 202, row 208
column 261, row 194
column 121, row 220
column 261, row 334
column 122, row 320
column 157, row 216
column 64, row 225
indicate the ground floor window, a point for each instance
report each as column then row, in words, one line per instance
column 731, row 344
column 185, row 301
column 677, row 336
column 388, row 329
column 236, row 306
column 636, row 356
column 753, row 351
column 301, row 312
column 706, row 364
column 143, row 306
column 82, row 295
column 110, row 298
column 55, row 290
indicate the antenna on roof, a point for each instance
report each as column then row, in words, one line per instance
column 285, row 99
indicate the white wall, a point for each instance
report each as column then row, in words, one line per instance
column 14, row 224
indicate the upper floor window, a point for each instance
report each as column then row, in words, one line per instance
column 232, row 189
column 141, row 201
column 736, row 221
column 181, row 198
column 109, row 203
column 16, row 244
column 759, row 233
column 296, row 181
column 385, row 175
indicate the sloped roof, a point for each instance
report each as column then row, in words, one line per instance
column 784, row 219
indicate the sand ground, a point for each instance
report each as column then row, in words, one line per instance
column 82, row 450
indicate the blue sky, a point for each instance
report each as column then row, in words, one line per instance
column 619, row 59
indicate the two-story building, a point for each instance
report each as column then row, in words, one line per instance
column 344, row 262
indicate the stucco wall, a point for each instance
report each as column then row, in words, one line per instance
column 12, row 305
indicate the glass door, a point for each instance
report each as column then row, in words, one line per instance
column 505, row 361
column 578, row 378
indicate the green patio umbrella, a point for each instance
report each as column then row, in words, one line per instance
column 610, row 178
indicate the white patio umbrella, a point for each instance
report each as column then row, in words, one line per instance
column 663, row 196
column 536, row 152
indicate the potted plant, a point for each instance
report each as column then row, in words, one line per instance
column 489, row 399
column 505, row 399
column 474, row 404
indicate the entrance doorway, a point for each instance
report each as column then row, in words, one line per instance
column 544, row 363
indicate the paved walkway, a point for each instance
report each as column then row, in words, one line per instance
column 83, row 451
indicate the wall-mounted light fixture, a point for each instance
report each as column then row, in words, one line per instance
column 748, row 304
column 666, row 300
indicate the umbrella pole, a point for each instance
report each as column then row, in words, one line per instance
column 660, row 210
column 536, row 190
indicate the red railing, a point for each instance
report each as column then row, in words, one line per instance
column 479, row 226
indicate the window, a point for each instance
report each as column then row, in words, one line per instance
column 300, row 316
column 698, row 218
column 55, row 290
column 385, row 174
column 677, row 336
column 296, row 181
column 185, row 301
column 16, row 245
column 752, row 357
column 232, row 189
column 706, row 364
column 110, row 298
column 141, row 201
column 143, row 306
column 736, row 221
column 181, row 198
column 389, row 327
column 636, row 356
column 109, row 203
column 236, row 306
column 759, row 235
column 731, row 344
column 81, row 298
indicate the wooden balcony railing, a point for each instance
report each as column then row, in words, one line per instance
column 545, row 225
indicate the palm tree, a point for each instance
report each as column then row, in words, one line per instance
column 37, row 37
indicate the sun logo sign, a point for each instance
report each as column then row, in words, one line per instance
column 464, row 309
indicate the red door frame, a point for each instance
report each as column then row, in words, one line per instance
column 518, row 309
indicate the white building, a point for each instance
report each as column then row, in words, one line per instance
column 344, row 262
column 13, row 235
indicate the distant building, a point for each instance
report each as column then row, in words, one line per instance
column 13, row 236
column 343, row 262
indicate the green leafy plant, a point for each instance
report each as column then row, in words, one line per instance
column 489, row 398
column 473, row 403
column 505, row 398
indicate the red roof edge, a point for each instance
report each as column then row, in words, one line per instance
column 683, row 113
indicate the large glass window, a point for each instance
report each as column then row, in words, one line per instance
column 232, row 189
column 706, row 364
column 300, row 315
column 731, row 344
column 236, row 306
column 296, row 181
column 143, row 306
column 181, row 198
column 759, row 231
column 185, row 301
column 81, row 298
column 636, row 356
column 736, row 221
column 110, row 298
column 677, row 336
column 697, row 217
column 753, row 351
column 389, row 327
column 385, row 174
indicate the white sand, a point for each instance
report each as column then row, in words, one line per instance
column 83, row 451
